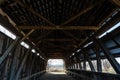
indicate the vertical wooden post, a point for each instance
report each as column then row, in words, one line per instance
column 89, row 61
column 84, row 64
column 109, row 56
column 80, row 65
column 22, row 64
column 14, row 61
column 99, row 64
column 10, row 48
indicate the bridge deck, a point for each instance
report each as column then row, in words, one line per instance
column 55, row 76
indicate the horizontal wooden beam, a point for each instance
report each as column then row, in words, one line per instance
column 33, row 75
column 77, row 15
column 84, row 11
column 60, row 40
column 116, row 2
column 59, row 27
column 34, row 12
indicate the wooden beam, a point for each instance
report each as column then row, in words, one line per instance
column 99, row 63
column 109, row 56
column 31, row 31
column 19, row 30
column 108, row 16
column 85, row 53
column 32, row 75
column 81, row 13
column 9, row 49
column 40, row 38
column 2, row 1
column 37, row 14
column 60, row 40
column 59, row 27
column 116, row 2
column 22, row 64
column 103, row 29
column 77, row 15
column 34, row 12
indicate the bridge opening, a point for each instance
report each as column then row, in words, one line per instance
column 55, row 66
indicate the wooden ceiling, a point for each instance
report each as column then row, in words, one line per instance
column 57, row 27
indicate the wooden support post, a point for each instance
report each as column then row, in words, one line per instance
column 77, row 66
column 6, row 70
column 99, row 64
column 96, row 50
column 84, row 64
column 22, row 64
column 70, row 67
column 31, row 65
column 14, row 61
column 10, row 48
column 89, row 61
column 7, row 60
column 80, row 66
column 73, row 66
column 109, row 56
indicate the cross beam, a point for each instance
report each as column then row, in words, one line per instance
column 34, row 12
column 59, row 27
column 60, row 40
column 81, row 13
column 116, row 2
column 78, row 15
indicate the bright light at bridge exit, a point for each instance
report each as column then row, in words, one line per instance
column 55, row 65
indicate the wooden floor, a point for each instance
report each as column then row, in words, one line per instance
column 55, row 76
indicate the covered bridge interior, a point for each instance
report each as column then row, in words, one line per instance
column 81, row 32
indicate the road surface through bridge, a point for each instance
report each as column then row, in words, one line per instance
column 55, row 76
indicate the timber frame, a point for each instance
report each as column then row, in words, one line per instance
column 59, row 29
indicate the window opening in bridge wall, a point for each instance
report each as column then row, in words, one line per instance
column 82, row 65
column 7, row 32
column 75, row 66
column 78, row 64
column 118, row 59
column 94, row 62
column 107, row 67
column 88, row 66
column 55, row 65
column 110, row 30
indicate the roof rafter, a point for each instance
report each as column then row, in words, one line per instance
column 34, row 12
column 76, row 16
column 30, row 32
column 80, row 13
column 60, row 27
column 116, row 2
column 60, row 40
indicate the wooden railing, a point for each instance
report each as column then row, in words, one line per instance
column 89, row 75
